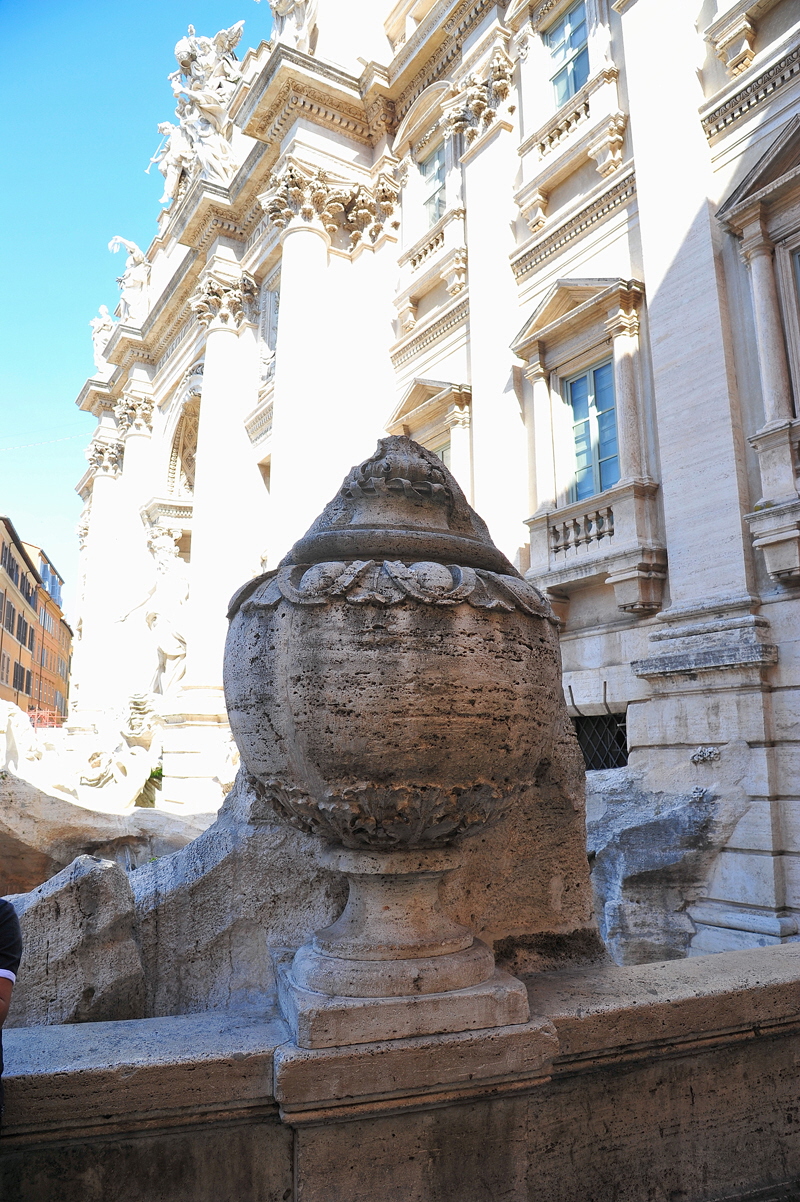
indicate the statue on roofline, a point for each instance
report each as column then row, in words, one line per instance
column 132, row 282
column 207, row 75
column 295, row 23
column 102, row 328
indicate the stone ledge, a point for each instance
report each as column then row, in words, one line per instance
column 741, row 655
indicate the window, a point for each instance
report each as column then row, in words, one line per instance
column 566, row 41
column 10, row 617
column 5, row 665
column 594, row 429
column 432, row 170
column 19, row 677
column 28, row 683
column 444, row 453
column 603, row 740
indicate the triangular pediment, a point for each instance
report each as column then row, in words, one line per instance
column 565, row 297
column 781, row 163
column 422, row 390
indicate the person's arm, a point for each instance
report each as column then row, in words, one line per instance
column 6, row 985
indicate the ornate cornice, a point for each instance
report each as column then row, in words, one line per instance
column 457, row 28
column 300, row 99
column 746, row 99
column 456, row 316
column 620, row 193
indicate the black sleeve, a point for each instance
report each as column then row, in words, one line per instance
column 10, row 937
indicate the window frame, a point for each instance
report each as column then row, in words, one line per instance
column 566, row 66
column 593, row 413
column 436, row 196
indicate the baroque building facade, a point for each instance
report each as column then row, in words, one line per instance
column 558, row 243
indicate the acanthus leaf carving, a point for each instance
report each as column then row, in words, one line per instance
column 106, row 457
column 480, row 99
column 310, row 197
column 225, row 303
column 134, row 413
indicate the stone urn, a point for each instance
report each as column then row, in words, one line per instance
column 390, row 686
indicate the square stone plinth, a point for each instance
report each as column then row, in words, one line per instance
column 319, row 1021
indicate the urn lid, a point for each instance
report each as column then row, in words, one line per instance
column 400, row 504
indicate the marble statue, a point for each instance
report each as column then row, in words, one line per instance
column 132, row 282
column 203, row 85
column 294, row 23
column 162, row 608
column 174, row 156
column 102, row 328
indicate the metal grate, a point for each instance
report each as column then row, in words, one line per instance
column 603, row 739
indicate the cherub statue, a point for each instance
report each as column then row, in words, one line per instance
column 132, row 282
column 102, row 329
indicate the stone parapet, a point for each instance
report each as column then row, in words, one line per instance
column 676, row 1073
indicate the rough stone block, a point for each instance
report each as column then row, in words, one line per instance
column 80, row 962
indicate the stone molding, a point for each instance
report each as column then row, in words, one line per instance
column 463, row 19
column 747, row 99
column 259, row 424
column 301, row 195
column 220, row 303
column 440, row 256
column 775, row 532
column 105, row 458
column 721, row 636
column 621, row 192
column 733, row 35
column 456, row 316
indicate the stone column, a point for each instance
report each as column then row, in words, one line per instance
column 95, row 660
column 458, row 421
column 757, row 251
column 230, row 501
column 539, row 425
column 623, row 326
column 490, row 161
column 134, row 414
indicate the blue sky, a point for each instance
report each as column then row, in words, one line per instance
column 87, row 84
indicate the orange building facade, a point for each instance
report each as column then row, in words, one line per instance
column 20, row 583
column 52, row 649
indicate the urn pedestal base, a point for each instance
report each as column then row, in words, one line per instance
column 320, row 1021
column 394, row 964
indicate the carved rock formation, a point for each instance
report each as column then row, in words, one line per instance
column 80, row 959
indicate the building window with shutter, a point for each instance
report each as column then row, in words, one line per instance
column 594, row 431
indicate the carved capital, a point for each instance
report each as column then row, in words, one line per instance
column 755, row 239
column 479, row 99
column 106, row 457
column 607, row 150
column 134, row 413
column 300, row 195
column 225, row 304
